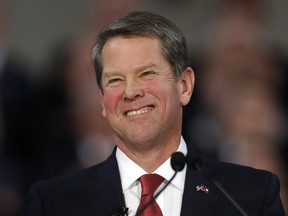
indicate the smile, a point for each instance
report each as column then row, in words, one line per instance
column 140, row 111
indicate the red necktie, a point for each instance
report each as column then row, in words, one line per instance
column 149, row 183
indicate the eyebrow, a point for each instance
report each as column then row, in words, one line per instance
column 145, row 67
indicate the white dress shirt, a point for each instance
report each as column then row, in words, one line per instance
column 170, row 200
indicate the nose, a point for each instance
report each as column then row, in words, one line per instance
column 133, row 90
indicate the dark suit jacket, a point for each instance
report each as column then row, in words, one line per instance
column 97, row 191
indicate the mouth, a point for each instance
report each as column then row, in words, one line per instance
column 140, row 111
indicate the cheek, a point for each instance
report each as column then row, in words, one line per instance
column 167, row 96
column 162, row 89
column 154, row 87
column 111, row 99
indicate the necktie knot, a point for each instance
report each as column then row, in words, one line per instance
column 148, row 206
column 150, row 183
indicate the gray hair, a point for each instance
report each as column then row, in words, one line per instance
column 145, row 24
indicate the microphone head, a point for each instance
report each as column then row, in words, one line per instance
column 178, row 161
column 193, row 160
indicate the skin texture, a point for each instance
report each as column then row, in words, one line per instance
column 142, row 100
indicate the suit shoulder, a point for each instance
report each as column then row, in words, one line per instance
column 71, row 180
column 92, row 175
column 236, row 171
column 256, row 190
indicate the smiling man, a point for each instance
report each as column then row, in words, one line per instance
column 142, row 69
column 142, row 99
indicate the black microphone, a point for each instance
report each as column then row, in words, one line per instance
column 194, row 160
column 178, row 162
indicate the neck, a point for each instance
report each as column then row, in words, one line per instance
column 150, row 156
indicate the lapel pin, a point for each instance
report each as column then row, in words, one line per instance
column 202, row 188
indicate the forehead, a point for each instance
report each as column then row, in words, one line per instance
column 132, row 51
column 119, row 41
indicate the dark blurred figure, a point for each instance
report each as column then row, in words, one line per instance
column 16, row 148
column 242, row 117
column 71, row 130
column 53, row 131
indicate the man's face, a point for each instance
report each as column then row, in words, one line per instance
column 141, row 98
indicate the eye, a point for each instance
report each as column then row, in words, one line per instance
column 113, row 81
column 148, row 74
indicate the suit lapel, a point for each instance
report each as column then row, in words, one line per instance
column 199, row 201
column 104, row 188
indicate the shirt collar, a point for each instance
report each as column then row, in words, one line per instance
column 130, row 171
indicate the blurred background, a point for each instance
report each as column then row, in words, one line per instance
column 50, row 117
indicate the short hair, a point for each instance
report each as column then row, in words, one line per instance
column 146, row 24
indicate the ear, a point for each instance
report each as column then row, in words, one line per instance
column 187, row 81
column 103, row 106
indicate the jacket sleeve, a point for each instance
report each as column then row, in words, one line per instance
column 272, row 205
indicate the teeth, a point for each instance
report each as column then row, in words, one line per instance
column 140, row 111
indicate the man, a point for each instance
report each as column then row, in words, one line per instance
column 142, row 70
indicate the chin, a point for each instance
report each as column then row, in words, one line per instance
column 142, row 137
